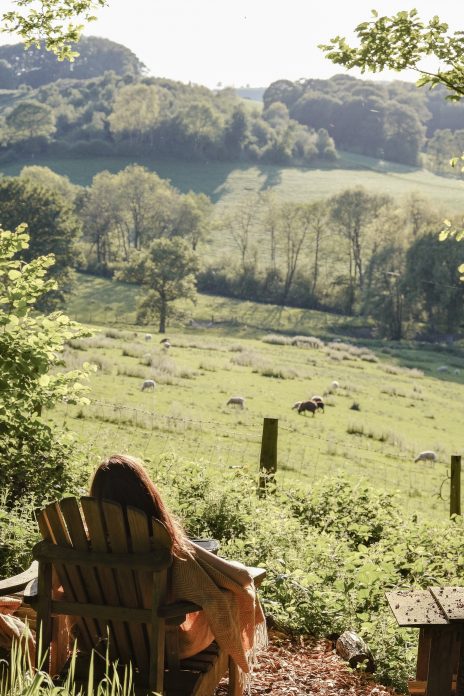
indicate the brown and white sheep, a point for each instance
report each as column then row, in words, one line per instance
column 310, row 406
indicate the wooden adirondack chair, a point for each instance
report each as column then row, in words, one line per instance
column 113, row 569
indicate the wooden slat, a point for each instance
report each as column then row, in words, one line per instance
column 258, row 574
column 59, row 578
column 423, row 652
column 440, row 673
column 125, row 581
column 19, row 582
column 101, row 611
column 156, row 560
column 97, row 534
column 70, row 577
column 80, row 542
column 157, row 634
column 168, row 611
column 450, row 600
column 44, row 616
column 415, row 608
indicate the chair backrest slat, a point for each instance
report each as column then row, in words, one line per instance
column 79, row 539
column 125, row 581
column 69, row 577
column 97, row 534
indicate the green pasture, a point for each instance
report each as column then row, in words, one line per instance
column 402, row 410
column 226, row 183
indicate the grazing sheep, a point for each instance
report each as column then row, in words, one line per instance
column 335, row 384
column 457, row 371
column 427, row 456
column 148, row 384
column 319, row 401
column 148, row 337
column 296, row 405
column 307, row 406
column 443, row 368
column 236, row 401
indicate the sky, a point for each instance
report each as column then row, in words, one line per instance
column 244, row 42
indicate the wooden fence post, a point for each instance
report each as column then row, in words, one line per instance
column 268, row 457
column 455, row 490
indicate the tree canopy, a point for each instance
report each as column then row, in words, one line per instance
column 54, row 23
column 403, row 41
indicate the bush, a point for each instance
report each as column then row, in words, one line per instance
column 34, row 455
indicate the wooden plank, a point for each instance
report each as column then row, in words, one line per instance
column 101, row 611
column 168, row 611
column 51, row 528
column 44, row 617
column 450, row 601
column 415, row 608
column 206, row 685
column 440, row 674
column 460, row 664
column 79, row 540
column 97, row 535
column 125, row 581
column 157, row 634
column 19, row 582
column 258, row 574
column 233, row 678
column 71, row 579
column 423, row 653
column 156, row 560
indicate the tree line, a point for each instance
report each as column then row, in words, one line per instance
column 354, row 253
column 119, row 111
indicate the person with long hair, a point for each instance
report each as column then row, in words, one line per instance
column 231, row 613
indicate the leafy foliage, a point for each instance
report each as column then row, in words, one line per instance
column 34, row 456
column 403, row 41
column 52, row 23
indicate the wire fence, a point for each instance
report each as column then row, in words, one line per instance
column 304, row 457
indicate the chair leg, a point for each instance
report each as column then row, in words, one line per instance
column 234, row 688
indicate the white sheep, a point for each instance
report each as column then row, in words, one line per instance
column 443, row 368
column 426, row 456
column 236, row 401
column 296, row 405
column 148, row 337
column 148, row 384
column 457, row 371
column 166, row 345
column 335, row 384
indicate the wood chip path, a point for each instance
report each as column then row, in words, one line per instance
column 304, row 667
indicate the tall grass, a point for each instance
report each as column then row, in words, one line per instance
column 19, row 678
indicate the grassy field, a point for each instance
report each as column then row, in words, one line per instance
column 226, row 183
column 384, row 412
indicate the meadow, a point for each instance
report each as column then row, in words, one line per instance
column 391, row 404
column 231, row 184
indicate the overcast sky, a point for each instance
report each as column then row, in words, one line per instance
column 240, row 42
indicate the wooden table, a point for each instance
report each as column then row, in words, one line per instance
column 439, row 614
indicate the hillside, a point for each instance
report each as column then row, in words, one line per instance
column 402, row 401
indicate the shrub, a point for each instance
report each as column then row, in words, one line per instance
column 34, row 454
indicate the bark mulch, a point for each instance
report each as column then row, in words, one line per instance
column 306, row 666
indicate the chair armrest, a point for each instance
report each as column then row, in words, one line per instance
column 258, row 575
column 31, row 592
column 19, row 582
column 177, row 609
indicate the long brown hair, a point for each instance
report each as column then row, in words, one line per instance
column 124, row 480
